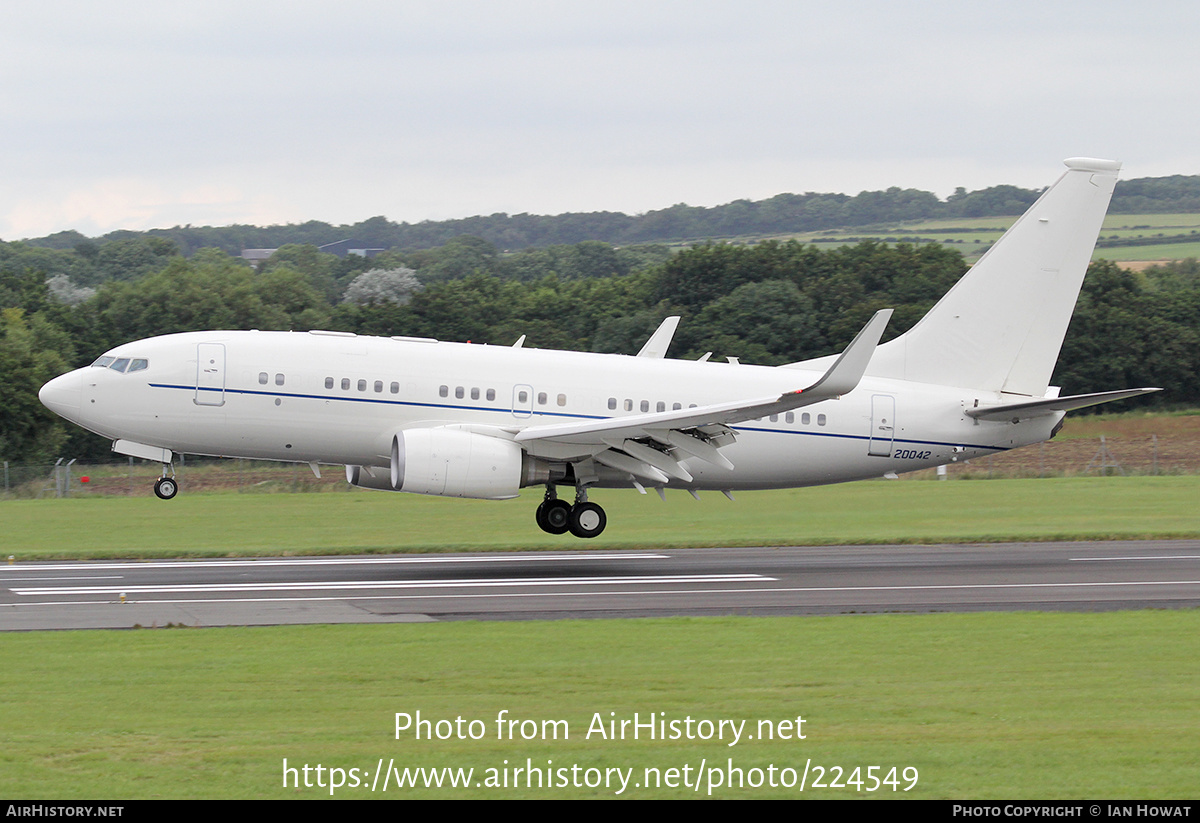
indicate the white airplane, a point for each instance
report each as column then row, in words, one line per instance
column 430, row 417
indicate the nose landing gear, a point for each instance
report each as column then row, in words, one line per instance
column 166, row 487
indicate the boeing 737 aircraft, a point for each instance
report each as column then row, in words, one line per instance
column 431, row 417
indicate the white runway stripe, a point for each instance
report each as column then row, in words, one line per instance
column 324, row 561
column 385, row 584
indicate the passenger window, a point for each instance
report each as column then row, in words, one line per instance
column 628, row 404
column 458, row 392
column 676, row 407
column 491, row 394
column 562, row 400
column 789, row 418
column 329, row 382
column 645, row 405
column 443, row 391
column 522, row 396
column 805, row 418
column 612, row 404
column 262, row 378
column 661, row 406
column 378, row 386
column 474, row 393
column 362, row 385
column 345, row 384
column 395, row 388
column 774, row 418
column 820, row 420
column 541, row 398
column 279, row 380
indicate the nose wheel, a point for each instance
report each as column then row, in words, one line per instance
column 166, row 488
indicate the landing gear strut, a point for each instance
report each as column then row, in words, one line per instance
column 166, row 487
column 556, row 516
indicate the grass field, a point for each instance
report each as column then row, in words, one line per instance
column 972, row 236
column 360, row 521
column 980, row 705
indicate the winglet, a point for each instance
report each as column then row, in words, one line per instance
column 660, row 341
column 847, row 370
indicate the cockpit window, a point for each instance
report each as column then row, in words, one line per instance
column 124, row 365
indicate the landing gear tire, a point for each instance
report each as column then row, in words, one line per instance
column 554, row 516
column 166, row 488
column 587, row 520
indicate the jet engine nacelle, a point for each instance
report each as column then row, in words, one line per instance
column 456, row 463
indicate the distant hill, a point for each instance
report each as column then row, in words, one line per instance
column 780, row 214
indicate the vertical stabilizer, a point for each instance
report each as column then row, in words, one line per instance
column 1001, row 327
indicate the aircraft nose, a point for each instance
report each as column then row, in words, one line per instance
column 63, row 394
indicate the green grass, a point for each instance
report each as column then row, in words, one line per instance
column 870, row 512
column 1165, row 251
column 982, row 705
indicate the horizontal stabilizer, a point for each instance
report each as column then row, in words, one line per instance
column 1037, row 408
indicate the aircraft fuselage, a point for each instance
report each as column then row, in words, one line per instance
column 339, row 399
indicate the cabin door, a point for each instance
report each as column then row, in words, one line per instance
column 883, row 425
column 210, row 374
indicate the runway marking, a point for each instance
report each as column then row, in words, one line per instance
column 399, row 584
column 81, row 577
column 323, row 561
column 471, row 596
column 1148, row 557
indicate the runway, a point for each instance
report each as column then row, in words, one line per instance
column 555, row 585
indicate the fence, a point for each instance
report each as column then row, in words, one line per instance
column 135, row 478
column 1177, row 453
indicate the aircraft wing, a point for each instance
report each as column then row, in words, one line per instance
column 701, row 431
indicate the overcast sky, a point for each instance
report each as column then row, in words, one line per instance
column 131, row 114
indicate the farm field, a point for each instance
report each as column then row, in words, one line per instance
column 1175, row 236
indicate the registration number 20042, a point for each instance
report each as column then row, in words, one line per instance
column 910, row 454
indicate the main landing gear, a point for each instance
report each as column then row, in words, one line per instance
column 557, row 516
column 166, row 487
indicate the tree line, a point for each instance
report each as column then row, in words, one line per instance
column 769, row 303
column 780, row 214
